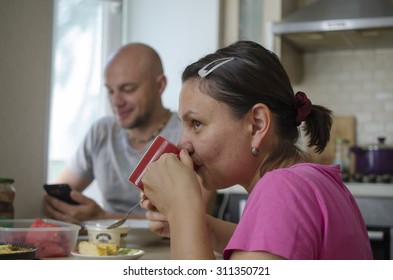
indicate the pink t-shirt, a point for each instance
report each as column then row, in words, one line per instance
column 302, row 212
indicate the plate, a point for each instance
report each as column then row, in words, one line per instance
column 134, row 255
column 28, row 253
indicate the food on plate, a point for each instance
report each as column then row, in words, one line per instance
column 102, row 249
column 49, row 243
column 98, row 248
column 10, row 249
column 15, row 251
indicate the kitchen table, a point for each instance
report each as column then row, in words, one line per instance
column 159, row 250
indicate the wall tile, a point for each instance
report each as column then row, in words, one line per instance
column 358, row 83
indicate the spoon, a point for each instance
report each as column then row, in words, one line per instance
column 123, row 220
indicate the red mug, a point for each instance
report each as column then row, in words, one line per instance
column 159, row 146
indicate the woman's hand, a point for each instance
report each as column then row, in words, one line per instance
column 169, row 183
column 158, row 223
column 173, row 188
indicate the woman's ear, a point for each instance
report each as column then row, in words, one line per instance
column 261, row 120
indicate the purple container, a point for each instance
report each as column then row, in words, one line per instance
column 374, row 159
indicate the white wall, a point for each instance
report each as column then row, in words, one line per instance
column 181, row 31
column 25, row 55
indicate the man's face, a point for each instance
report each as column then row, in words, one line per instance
column 132, row 91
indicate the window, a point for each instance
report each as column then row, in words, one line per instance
column 85, row 33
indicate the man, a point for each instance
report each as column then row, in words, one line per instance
column 114, row 145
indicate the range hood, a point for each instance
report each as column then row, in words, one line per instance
column 339, row 24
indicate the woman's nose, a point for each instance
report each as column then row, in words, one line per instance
column 185, row 144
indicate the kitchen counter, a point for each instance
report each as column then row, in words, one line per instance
column 375, row 201
column 357, row 189
column 371, row 189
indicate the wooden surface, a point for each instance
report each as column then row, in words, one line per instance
column 343, row 127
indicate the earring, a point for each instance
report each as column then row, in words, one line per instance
column 254, row 151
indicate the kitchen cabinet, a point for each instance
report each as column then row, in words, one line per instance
column 291, row 57
column 270, row 11
column 375, row 202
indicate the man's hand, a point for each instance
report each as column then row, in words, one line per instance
column 87, row 209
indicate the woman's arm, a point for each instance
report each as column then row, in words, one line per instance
column 219, row 232
column 209, row 197
column 189, row 233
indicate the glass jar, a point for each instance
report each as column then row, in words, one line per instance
column 341, row 157
column 7, row 195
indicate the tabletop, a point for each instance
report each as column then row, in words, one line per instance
column 158, row 250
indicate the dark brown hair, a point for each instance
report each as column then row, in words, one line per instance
column 255, row 75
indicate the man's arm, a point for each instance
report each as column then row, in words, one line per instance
column 70, row 177
column 87, row 209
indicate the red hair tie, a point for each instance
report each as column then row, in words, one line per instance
column 304, row 107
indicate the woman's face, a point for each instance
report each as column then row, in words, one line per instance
column 218, row 143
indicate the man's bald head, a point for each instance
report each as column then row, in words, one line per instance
column 140, row 56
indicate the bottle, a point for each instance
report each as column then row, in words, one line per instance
column 7, row 195
column 341, row 157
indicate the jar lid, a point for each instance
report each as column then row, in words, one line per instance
column 380, row 145
column 342, row 141
column 7, row 180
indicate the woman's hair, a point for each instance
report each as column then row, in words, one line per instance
column 250, row 74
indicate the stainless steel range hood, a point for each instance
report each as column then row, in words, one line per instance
column 339, row 24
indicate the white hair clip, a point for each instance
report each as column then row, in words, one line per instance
column 203, row 72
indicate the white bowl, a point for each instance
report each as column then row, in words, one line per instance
column 99, row 233
column 138, row 230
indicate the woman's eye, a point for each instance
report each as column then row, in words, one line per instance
column 196, row 124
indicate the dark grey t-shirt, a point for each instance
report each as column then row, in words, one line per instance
column 106, row 156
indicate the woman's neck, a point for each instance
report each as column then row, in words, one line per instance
column 270, row 162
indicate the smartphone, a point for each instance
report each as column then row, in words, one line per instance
column 159, row 146
column 60, row 191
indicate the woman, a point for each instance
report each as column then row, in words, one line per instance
column 241, row 122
